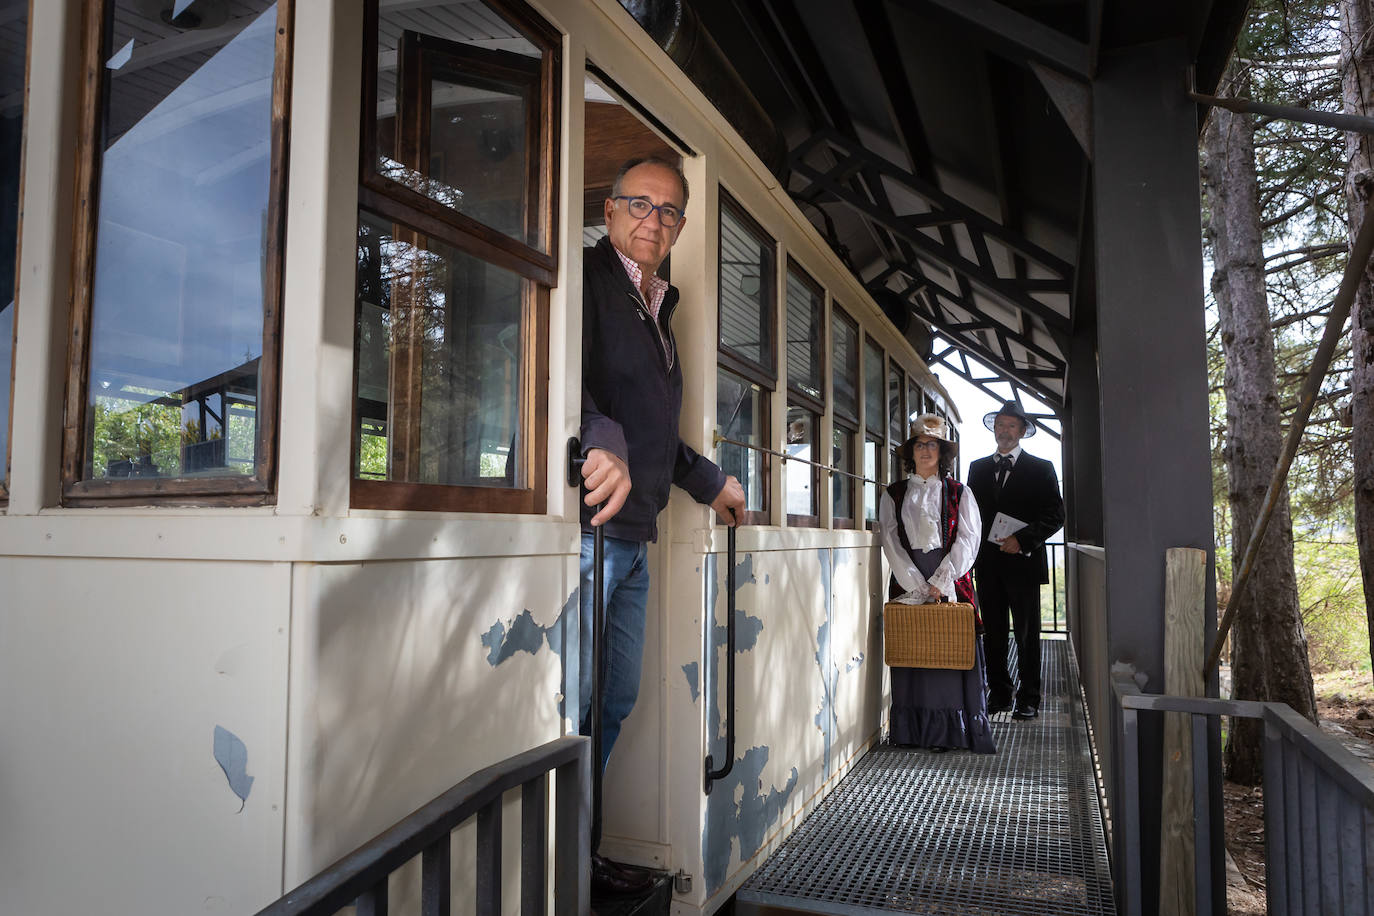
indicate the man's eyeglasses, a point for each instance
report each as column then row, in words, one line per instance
column 641, row 207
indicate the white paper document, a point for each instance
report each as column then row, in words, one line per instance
column 1003, row 525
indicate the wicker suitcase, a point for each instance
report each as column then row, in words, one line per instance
column 928, row 635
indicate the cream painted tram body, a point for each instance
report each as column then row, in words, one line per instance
column 287, row 547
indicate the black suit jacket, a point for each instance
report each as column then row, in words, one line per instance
column 1030, row 494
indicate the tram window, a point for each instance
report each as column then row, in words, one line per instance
column 13, row 35
column 896, row 412
column 173, row 386
column 801, row 479
column 872, row 449
column 748, row 297
column 844, row 336
column 841, row 486
column 454, row 261
column 914, row 400
column 874, row 398
column 805, row 335
column 742, row 416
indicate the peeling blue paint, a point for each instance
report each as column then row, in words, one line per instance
column 746, row 821
column 232, row 756
column 690, row 670
column 523, row 634
column 854, row 662
column 826, row 719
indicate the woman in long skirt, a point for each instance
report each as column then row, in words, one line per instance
column 930, row 528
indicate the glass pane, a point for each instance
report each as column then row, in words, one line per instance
column 845, row 358
column 842, row 488
column 874, row 398
column 801, row 479
column 896, row 418
column 14, row 41
column 741, row 415
column 439, row 367
column 914, row 401
column 177, row 308
column 871, row 451
column 747, row 269
column 805, row 305
column 462, row 133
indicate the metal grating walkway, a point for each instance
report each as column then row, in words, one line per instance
column 907, row 831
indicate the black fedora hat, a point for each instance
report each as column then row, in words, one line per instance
column 1011, row 409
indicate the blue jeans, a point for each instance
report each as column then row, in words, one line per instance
column 625, row 584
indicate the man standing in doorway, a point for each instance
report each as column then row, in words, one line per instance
column 631, row 399
column 1019, row 493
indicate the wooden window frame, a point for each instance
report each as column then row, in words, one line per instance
column 536, row 263
column 900, row 406
column 536, row 259
column 879, row 453
column 761, row 516
column 812, row 520
column 802, row 398
column 868, row 427
column 838, row 314
column 766, row 377
column 246, row 490
column 18, row 254
column 840, row 480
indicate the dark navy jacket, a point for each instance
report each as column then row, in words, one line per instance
column 632, row 396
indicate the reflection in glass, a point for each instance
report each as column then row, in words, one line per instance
column 177, row 308
column 805, row 305
column 747, row 268
column 896, row 419
column 842, row 459
column 741, row 415
column 439, row 362
column 914, row 401
column 464, row 136
column 801, row 480
column 845, row 359
column 874, row 398
column 13, row 36
column 871, row 473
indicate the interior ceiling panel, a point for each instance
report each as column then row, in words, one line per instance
column 926, row 148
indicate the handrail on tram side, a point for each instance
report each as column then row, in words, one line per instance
column 714, row 773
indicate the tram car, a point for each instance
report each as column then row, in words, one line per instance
column 288, row 545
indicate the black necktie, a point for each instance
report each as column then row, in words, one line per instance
column 1003, row 469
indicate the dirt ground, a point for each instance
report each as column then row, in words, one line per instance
column 1345, row 704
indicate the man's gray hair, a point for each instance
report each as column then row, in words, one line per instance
column 651, row 160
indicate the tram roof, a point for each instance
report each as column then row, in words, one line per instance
column 943, row 148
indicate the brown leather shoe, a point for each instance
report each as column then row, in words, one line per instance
column 611, row 879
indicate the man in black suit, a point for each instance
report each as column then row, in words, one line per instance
column 1008, row 574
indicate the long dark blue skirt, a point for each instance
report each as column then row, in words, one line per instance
column 936, row 707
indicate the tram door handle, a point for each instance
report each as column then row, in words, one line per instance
column 712, row 772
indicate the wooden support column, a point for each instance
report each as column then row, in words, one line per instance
column 1152, row 368
column 1185, row 582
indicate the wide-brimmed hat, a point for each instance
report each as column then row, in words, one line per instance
column 1011, row 409
column 932, row 425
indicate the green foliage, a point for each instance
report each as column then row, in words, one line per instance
column 1332, row 602
column 151, row 430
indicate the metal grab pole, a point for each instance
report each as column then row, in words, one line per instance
column 598, row 653
column 1307, row 398
column 713, row 774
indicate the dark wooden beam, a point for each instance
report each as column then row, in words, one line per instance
column 1014, row 33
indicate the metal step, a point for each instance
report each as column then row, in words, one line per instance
column 908, row 831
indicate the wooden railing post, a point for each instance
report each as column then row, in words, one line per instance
column 1185, row 577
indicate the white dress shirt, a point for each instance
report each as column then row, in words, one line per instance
column 920, row 517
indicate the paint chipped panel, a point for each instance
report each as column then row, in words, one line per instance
column 689, row 671
column 739, row 814
column 523, row 634
column 232, row 756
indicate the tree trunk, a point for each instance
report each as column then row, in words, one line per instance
column 1269, row 649
column 1357, row 88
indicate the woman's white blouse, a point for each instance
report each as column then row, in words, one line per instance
column 920, row 515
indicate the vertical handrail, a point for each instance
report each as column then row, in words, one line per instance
column 598, row 653
column 1130, row 815
column 713, row 774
